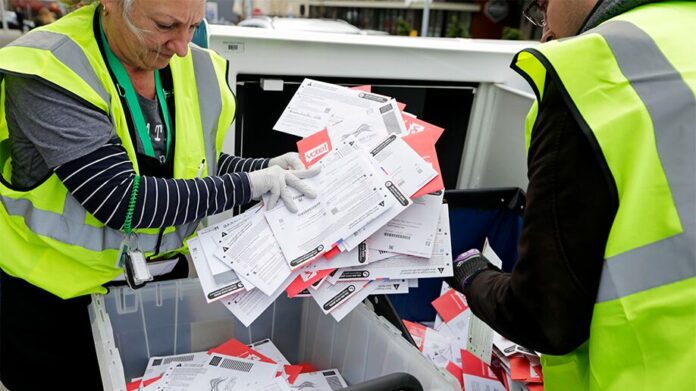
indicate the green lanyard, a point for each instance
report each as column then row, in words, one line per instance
column 125, row 85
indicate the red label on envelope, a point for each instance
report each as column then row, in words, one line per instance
column 415, row 125
column 366, row 88
column 307, row 367
column 332, row 253
column 472, row 365
column 417, row 332
column 522, row 370
column 424, row 145
column 292, row 372
column 519, row 368
column 133, row 386
column 456, row 372
column 449, row 305
column 298, row 285
column 312, row 148
column 235, row 348
column 147, row 382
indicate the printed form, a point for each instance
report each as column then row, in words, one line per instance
column 412, row 232
column 247, row 306
column 408, row 171
column 406, row 266
column 351, row 193
column 212, row 289
column 317, row 105
column 227, row 373
column 257, row 257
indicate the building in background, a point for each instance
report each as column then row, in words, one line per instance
column 489, row 19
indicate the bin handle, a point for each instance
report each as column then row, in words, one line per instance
column 398, row 381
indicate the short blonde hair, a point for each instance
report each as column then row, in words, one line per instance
column 126, row 5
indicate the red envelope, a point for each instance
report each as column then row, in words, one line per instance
column 293, row 371
column 415, row 125
column 449, row 305
column 472, row 365
column 235, row 348
column 521, row 369
column 417, row 332
column 424, row 145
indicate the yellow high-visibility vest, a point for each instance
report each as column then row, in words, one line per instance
column 631, row 85
column 50, row 240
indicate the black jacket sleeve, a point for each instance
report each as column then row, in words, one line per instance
column 546, row 303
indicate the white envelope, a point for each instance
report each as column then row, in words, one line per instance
column 329, row 297
column 409, row 267
column 212, row 289
column 412, row 232
column 257, row 257
column 247, row 306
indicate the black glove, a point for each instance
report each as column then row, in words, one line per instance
column 466, row 267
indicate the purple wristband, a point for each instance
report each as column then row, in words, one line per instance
column 465, row 256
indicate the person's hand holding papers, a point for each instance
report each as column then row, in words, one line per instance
column 275, row 180
column 288, row 161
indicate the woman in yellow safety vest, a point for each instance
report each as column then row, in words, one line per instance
column 111, row 129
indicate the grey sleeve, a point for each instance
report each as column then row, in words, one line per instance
column 60, row 126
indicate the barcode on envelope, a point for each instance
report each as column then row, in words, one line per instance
column 165, row 361
column 398, row 236
column 334, row 381
column 235, row 365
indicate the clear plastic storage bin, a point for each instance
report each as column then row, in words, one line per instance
column 172, row 317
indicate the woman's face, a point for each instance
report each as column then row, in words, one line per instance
column 166, row 28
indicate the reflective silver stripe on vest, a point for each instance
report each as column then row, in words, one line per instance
column 70, row 227
column 209, row 101
column 672, row 108
column 67, row 52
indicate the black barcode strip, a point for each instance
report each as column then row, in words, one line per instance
column 391, row 235
column 168, row 360
column 334, row 383
column 235, row 365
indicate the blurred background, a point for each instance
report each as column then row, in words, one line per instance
column 488, row 19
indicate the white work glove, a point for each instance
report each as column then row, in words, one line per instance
column 276, row 181
column 288, row 161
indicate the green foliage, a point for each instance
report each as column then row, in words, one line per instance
column 456, row 29
column 511, row 33
column 403, row 27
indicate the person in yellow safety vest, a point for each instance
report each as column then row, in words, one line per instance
column 605, row 284
column 111, row 129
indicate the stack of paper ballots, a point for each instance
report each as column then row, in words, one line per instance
column 234, row 366
column 377, row 226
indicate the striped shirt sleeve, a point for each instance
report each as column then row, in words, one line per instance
column 102, row 182
column 229, row 164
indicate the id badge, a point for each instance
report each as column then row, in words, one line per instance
column 134, row 265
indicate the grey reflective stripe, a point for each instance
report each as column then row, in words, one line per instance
column 672, row 108
column 209, row 102
column 70, row 228
column 67, row 52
